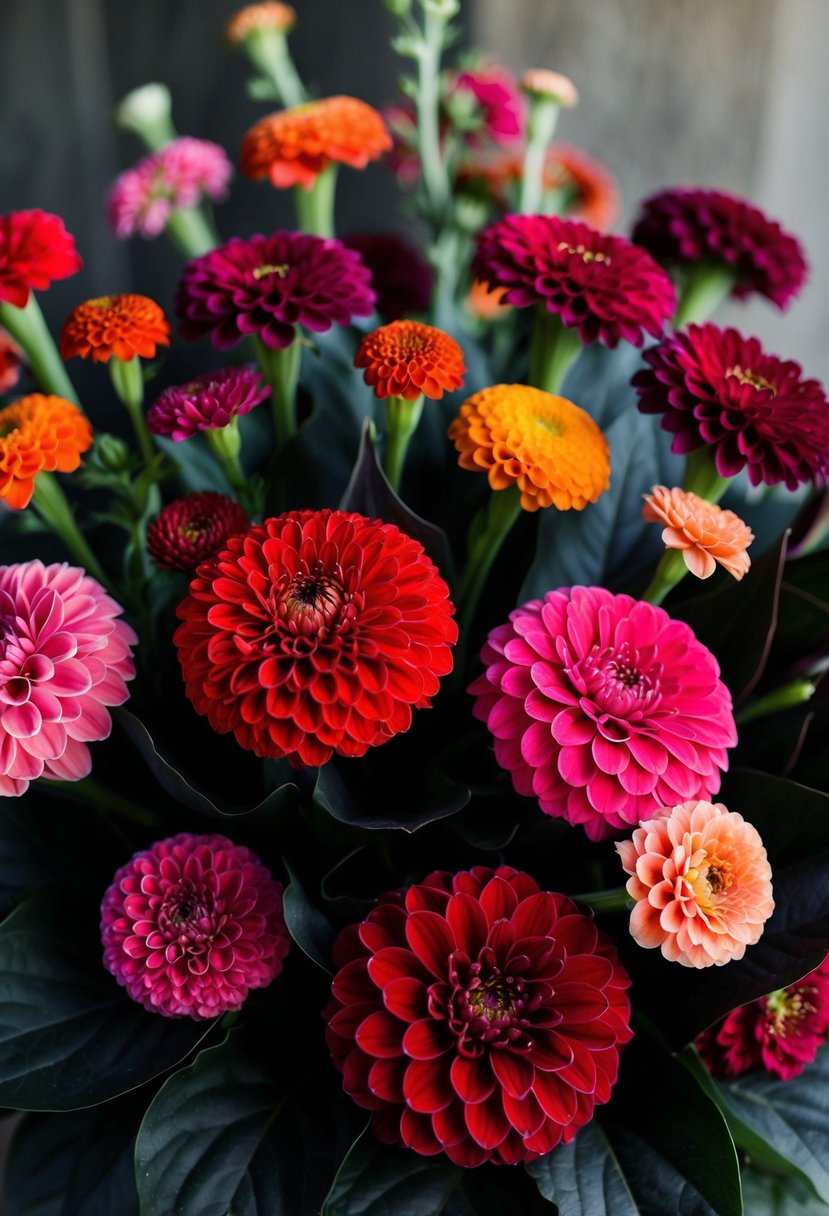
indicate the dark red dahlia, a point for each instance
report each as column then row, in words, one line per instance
column 318, row 632
column 193, row 528
column 267, row 285
column 478, row 1015
column 781, row 1032
column 682, row 227
column 400, row 276
column 601, row 285
column 714, row 388
column 35, row 248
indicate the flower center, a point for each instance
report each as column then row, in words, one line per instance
column 586, row 255
column 312, row 602
column 267, row 268
column 487, row 1007
column 186, row 913
column 101, row 302
column 746, row 376
column 194, row 529
column 784, row 1009
column 620, row 680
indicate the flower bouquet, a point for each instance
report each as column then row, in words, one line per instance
column 414, row 795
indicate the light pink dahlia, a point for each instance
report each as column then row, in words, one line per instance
column 176, row 176
column 192, row 924
column 604, row 708
column 64, row 659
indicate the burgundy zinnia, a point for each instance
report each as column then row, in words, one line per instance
column 193, row 528
column 267, row 285
column 686, row 226
column 718, row 389
column 208, row 402
column 601, row 285
column 35, row 248
column 478, row 1015
column 192, row 924
column 317, row 632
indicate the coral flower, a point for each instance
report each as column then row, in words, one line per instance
column 477, row 1015
column 292, row 147
column 268, row 285
column 707, row 535
column 781, row 1032
column 121, row 326
column 717, row 389
column 486, row 305
column 603, row 708
column 269, row 15
column 399, row 274
column 35, row 249
column 540, row 82
column 64, row 659
column 318, row 632
column 179, row 175
column 207, row 403
column 518, row 435
column 601, row 285
column 407, row 358
column 701, row 881
column 682, row 227
column 38, row 434
column 193, row 528
column 11, row 361
column 190, row 925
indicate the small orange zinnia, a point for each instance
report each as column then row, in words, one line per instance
column 270, row 15
column 707, row 535
column 406, row 358
column 484, row 304
column 292, row 147
column 549, row 447
column 701, row 881
column 38, row 434
column 123, row 326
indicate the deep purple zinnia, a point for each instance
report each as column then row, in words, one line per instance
column 684, row 226
column 208, row 402
column 193, row 528
column 601, row 285
column 267, row 285
column 190, row 925
column 715, row 388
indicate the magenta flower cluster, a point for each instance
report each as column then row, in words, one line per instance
column 207, row 402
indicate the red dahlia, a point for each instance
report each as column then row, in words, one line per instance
column 35, row 248
column 193, row 528
column 317, row 632
column 478, row 1015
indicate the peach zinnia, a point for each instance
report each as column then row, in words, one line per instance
column 292, row 147
column 518, row 435
column 406, row 358
column 39, row 434
column 701, row 881
column 123, row 326
column 707, row 535
column 269, row 15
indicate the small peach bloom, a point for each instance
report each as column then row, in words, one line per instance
column 542, row 83
column 707, row 535
column 701, row 881
column 270, row 15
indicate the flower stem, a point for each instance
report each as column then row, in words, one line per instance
column 191, row 231
column 544, row 112
column 485, row 540
column 280, row 367
column 87, row 790
column 706, row 286
column 28, row 327
column 51, row 505
column 701, row 476
column 552, row 349
column 267, row 49
column 128, row 382
column 798, row 692
column 427, row 103
column 402, row 417
column 315, row 207
column 670, row 571
column 147, row 111
column 226, row 443
column 615, row 900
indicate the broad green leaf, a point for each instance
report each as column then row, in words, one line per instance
column 375, row 1180
column 307, row 924
column 584, row 1178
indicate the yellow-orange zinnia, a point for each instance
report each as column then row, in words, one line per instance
column 292, row 147
column 701, row 881
column 406, row 358
column 518, row 435
column 707, row 535
column 123, row 326
column 39, row 434
column 270, row 15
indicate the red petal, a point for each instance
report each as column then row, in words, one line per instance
column 551, row 1051
column 537, row 916
column 449, row 1124
column 380, row 1035
column 487, row 1123
column 525, row 1114
column 425, row 1040
column 416, row 1132
column 352, row 983
column 385, row 1079
column 355, row 1080
column 498, row 899
column 472, row 1078
column 579, row 1003
column 432, row 941
column 426, row 1086
column 393, row 963
column 406, row 998
column 581, row 1074
column 514, row 1072
column 468, row 922
column 546, row 1138
column 557, row 1099
column 384, row 926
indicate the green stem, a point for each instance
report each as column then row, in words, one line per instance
column 226, row 442
column 544, row 112
column 705, row 287
column 128, row 382
column 701, row 476
column 427, row 102
column 280, row 368
column 315, row 207
column 28, row 327
column 191, row 231
column 670, row 571
column 616, row 900
column 402, row 417
column 87, row 790
column 51, row 504
column 798, row 692
column 267, row 49
column 553, row 348
column 484, row 544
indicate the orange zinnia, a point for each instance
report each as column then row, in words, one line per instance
column 292, row 147
column 123, row 326
column 706, row 534
column 484, row 304
column 270, row 15
column 549, row 447
column 406, row 358
column 38, row 434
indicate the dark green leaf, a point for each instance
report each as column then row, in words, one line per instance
column 792, row 819
column 375, row 1180
column 766, row 1195
column 433, row 797
column 308, row 925
column 584, row 1178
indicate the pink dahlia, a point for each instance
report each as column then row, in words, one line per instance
column 684, row 226
column 781, row 1032
column 599, row 284
column 193, row 528
column 192, row 924
column 268, row 285
column 178, row 175
column 64, row 659
column 479, row 1016
column 717, row 389
column 498, row 97
column 603, row 708
column 208, row 402
column 35, row 249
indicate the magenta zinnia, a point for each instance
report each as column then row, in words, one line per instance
column 207, row 402
column 601, row 285
column 267, row 285
column 179, row 175
column 717, row 389
column 604, row 708
column 192, row 924
column 64, row 660
column 193, row 528
column 477, row 1015
column 682, row 227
